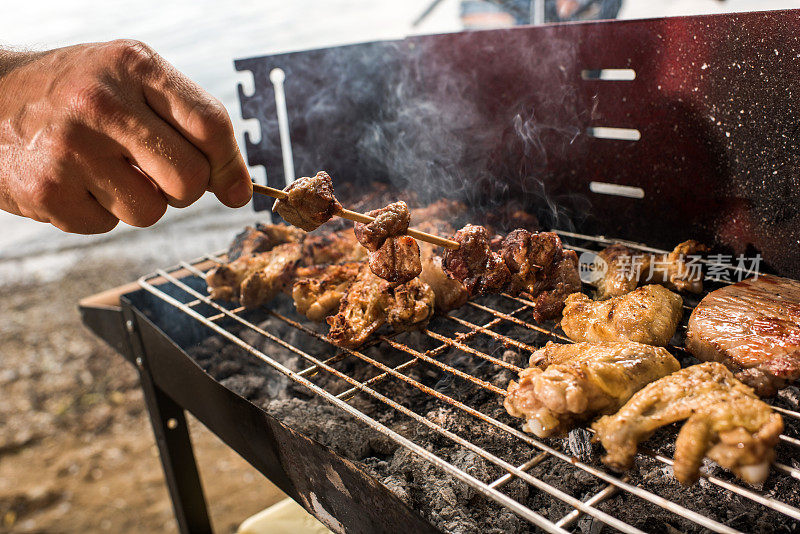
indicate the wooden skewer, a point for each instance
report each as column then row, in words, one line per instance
column 362, row 218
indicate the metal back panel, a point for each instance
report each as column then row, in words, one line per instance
column 493, row 115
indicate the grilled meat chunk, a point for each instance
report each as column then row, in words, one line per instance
column 255, row 279
column 371, row 302
column 726, row 423
column 390, row 221
column 753, row 327
column 310, row 202
column 397, row 261
column 577, row 382
column 646, row 315
column 319, row 289
column 622, row 269
column 261, row 238
column 393, row 256
column 474, row 263
column 541, row 270
column 531, row 264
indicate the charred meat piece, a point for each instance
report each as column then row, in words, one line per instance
column 646, row 315
column 310, row 202
column 392, row 255
column 753, row 327
column 726, row 423
column 540, row 270
column 255, row 279
column 370, row 302
column 334, row 247
column 623, row 267
column 674, row 270
column 390, row 221
column 578, row 382
column 397, row 261
column 318, row 290
column 261, row 238
column 474, row 263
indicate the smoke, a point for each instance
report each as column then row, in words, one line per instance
column 487, row 118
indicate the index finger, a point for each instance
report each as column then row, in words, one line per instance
column 201, row 119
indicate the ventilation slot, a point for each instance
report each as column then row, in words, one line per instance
column 619, row 134
column 609, row 74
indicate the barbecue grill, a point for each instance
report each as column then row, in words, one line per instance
column 650, row 131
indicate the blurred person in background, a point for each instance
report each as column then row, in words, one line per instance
column 481, row 14
column 94, row 134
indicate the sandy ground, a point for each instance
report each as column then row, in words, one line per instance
column 76, row 449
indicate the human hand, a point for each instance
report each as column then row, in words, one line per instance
column 76, row 122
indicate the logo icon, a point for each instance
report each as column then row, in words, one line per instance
column 592, row 267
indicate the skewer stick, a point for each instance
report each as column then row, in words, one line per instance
column 360, row 217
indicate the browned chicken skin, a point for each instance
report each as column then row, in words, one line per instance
column 753, row 327
column 576, row 382
column 310, row 202
column 332, row 247
column 726, row 423
column 319, row 289
column 626, row 268
column 621, row 275
column 255, row 279
column 649, row 314
column 393, row 256
column 672, row 269
column 261, row 238
column 370, row 302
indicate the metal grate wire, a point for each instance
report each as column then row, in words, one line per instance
column 459, row 342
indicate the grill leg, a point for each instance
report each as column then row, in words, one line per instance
column 177, row 459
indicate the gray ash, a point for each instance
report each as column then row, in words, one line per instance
column 451, row 505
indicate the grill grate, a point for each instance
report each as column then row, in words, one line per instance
column 212, row 314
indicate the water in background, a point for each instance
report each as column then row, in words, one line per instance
column 201, row 38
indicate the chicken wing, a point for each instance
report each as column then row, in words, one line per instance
column 450, row 294
column 318, row 290
column 370, row 302
column 261, row 238
column 571, row 383
column 255, row 279
column 626, row 268
column 623, row 267
column 332, row 247
column 647, row 315
column 675, row 269
column 310, row 202
column 726, row 422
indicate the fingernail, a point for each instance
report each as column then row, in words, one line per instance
column 240, row 194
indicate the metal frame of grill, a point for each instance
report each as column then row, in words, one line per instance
column 196, row 304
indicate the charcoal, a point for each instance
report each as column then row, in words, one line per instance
column 452, row 505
